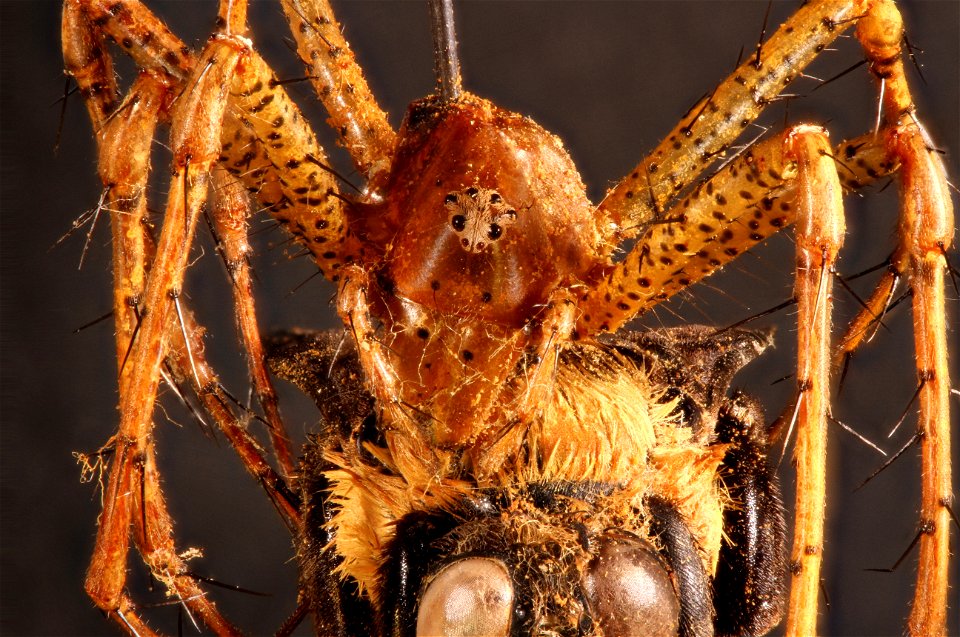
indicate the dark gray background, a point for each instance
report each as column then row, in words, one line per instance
column 610, row 78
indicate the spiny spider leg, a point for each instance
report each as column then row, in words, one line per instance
column 354, row 113
column 676, row 253
column 926, row 231
column 720, row 118
column 819, row 234
column 264, row 135
column 195, row 124
column 753, row 197
column 229, row 223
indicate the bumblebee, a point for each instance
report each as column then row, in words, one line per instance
column 655, row 512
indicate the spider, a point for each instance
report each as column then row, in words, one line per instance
column 434, row 437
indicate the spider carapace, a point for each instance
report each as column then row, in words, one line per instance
column 473, row 251
column 494, row 456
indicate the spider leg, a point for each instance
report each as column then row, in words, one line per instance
column 712, row 125
column 229, row 223
column 819, row 235
column 340, row 85
column 188, row 366
column 154, row 538
column 927, row 226
column 263, row 132
column 195, row 139
column 753, row 197
column 926, row 230
column 141, row 34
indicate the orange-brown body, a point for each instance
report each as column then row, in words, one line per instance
column 473, row 251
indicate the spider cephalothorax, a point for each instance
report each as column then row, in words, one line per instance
column 458, row 281
column 484, row 436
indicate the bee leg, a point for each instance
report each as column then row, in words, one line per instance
column 696, row 604
column 410, row 556
column 336, row 604
column 324, row 365
column 749, row 588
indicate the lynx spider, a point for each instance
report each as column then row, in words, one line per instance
column 166, row 340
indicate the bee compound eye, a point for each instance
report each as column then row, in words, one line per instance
column 472, row 596
column 630, row 591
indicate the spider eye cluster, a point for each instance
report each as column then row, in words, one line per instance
column 479, row 216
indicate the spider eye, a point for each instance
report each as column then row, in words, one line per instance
column 472, row 596
column 472, row 192
column 494, row 232
column 630, row 591
column 450, row 199
column 459, row 222
column 495, row 197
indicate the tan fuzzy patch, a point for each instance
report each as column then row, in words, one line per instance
column 369, row 504
column 603, row 422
